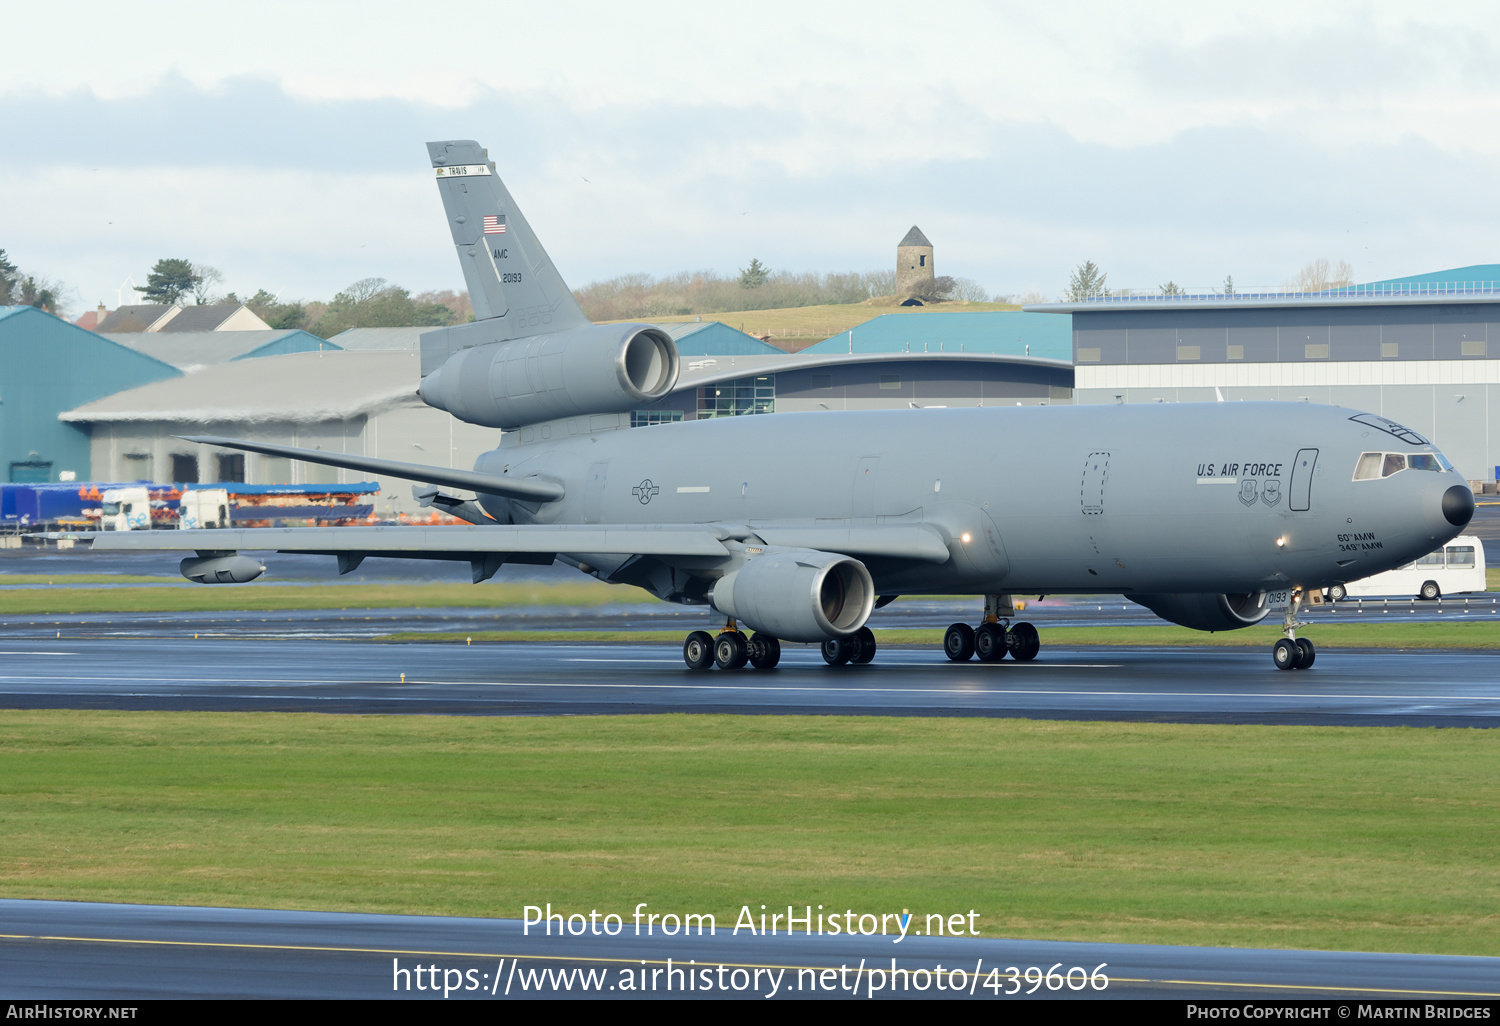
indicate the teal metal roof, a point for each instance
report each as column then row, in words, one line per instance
column 1474, row 273
column 1010, row 333
column 48, row 366
column 715, row 338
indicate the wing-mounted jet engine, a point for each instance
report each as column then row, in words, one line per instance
column 1208, row 612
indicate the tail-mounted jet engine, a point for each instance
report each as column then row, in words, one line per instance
column 604, row 368
column 1208, row 612
column 798, row 594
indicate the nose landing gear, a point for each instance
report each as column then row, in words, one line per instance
column 995, row 638
column 1292, row 652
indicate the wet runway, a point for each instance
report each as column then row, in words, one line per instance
column 83, row 951
column 1386, row 688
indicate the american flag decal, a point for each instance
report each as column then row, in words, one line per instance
column 494, row 224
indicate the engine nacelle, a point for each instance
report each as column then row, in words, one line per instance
column 1208, row 612
column 604, row 368
column 798, row 594
column 221, row 569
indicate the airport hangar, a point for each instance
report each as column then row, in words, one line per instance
column 1424, row 351
column 361, row 398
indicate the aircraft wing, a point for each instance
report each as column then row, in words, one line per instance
column 919, row 542
column 527, row 489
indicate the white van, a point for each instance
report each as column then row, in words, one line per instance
column 201, row 508
column 1456, row 567
column 125, row 509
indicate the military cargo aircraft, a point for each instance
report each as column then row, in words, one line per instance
column 797, row 526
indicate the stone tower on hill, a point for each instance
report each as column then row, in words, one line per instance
column 913, row 261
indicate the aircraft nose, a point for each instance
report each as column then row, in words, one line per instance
column 1458, row 505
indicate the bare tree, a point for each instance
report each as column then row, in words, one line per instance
column 934, row 290
column 1323, row 274
column 968, row 290
column 205, row 278
column 1032, row 296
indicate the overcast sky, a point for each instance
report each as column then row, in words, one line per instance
column 282, row 142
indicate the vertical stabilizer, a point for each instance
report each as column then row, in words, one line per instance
column 512, row 283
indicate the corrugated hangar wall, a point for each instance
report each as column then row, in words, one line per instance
column 48, row 366
column 1432, row 366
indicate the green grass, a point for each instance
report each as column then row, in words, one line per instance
column 264, row 596
column 65, row 579
column 1467, row 634
column 1307, row 837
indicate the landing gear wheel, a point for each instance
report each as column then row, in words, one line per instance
column 765, row 651
column 989, row 643
column 1306, row 654
column 698, row 650
column 730, row 650
column 1431, row 591
column 1337, row 593
column 1025, row 642
column 863, row 641
column 958, row 643
column 1287, row 654
column 836, row 651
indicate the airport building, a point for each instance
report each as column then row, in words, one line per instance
column 1422, row 351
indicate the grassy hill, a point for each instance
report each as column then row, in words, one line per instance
column 798, row 327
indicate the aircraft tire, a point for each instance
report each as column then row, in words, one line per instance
column 765, row 651
column 698, row 650
column 958, row 643
column 1307, row 654
column 1338, row 593
column 1287, row 654
column 864, row 646
column 1025, row 642
column 989, row 643
column 836, row 651
column 1430, row 591
column 730, row 650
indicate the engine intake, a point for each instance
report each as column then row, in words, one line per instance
column 604, row 368
column 798, row 594
column 1208, row 612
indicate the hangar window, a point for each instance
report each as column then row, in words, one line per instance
column 1471, row 349
column 1390, row 350
column 1236, row 352
column 820, row 381
column 738, row 397
column 646, row 418
column 1315, row 351
column 890, row 381
column 1189, row 352
column 232, row 468
column 1088, row 355
column 184, row 468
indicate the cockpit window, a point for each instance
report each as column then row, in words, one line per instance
column 1390, row 427
column 1374, row 465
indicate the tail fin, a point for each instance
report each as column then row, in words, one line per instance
column 511, row 280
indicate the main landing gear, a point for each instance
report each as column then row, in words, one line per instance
column 731, row 650
column 857, row 648
column 995, row 638
column 1292, row 652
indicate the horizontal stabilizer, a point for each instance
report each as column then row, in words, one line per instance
column 527, row 489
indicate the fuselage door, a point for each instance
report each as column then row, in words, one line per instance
column 1300, row 497
column 1095, row 474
